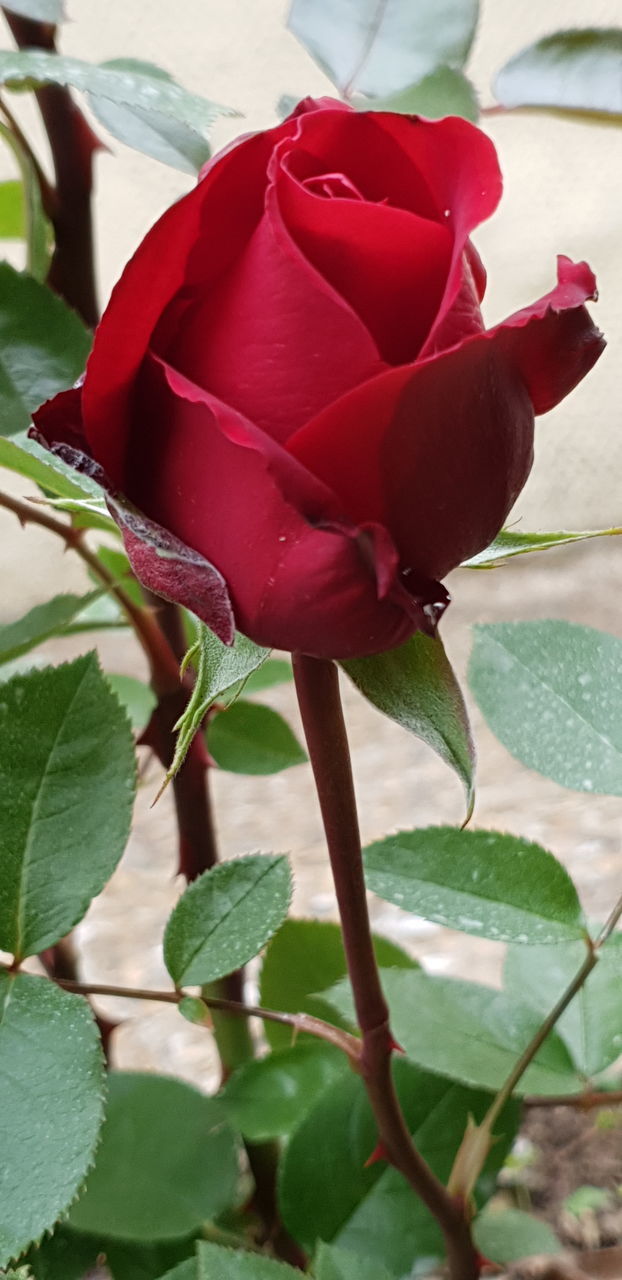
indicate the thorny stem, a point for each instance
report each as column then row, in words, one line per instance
column 317, row 686
column 198, row 853
column 587, row 1101
column 162, row 661
column 300, row 1023
column 72, row 145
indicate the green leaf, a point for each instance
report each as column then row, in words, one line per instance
column 28, row 459
column 216, row 1263
column 43, row 347
column 219, row 668
column 41, row 622
column 71, row 1255
column 585, row 1199
column 305, row 957
column 51, row 1086
column 591, row 1027
column 327, row 1192
column 136, row 697
column 467, row 1032
column 333, row 1263
column 118, row 565
column 146, row 1262
column 248, row 738
column 552, row 694
column 508, row 544
column 63, row 1256
column 171, row 141
column 39, row 10
column 577, row 70
column 185, row 1271
column 483, row 882
column 225, row 917
column 273, row 671
column 443, row 92
column 382, row 46
column 166, row 1163
column 88, row 513
column 104, row 613
column 268, row 1097
column 67, row 779
column 416, row 687
column 151, row 111
column 12, row 218
column 507, row 1235
column 36, row 227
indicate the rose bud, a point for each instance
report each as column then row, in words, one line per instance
column 301, row 419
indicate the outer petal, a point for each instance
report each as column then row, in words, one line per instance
column 439, row 451
column 178, row 251
column 161, row 561
column 298, row 579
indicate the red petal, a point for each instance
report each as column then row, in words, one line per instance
column 204, row 473
column 273, row 339
column 178, row 250
column 439, row 451
column 461, row 166
column 390, row 264
column 165, row 565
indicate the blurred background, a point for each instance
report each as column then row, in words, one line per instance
column 563, row 193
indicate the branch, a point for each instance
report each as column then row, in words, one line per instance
column 162, row 661
column 299, row 1022
column 587, row 1101
column 317, row 686
column 72, row 145
column 477, row 1139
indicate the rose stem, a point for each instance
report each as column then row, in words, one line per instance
column 300, row 1023
column 198, row 845
column 317, row 686
column 198, row 853
column 72, row 144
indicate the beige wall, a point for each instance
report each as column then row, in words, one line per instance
column 563, row 191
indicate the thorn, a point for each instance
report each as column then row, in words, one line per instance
column 484, row 1262
column 379, row 1153
column 394, row 1046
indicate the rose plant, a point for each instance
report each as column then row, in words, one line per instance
column 294, row 415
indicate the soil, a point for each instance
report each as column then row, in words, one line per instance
column 575, row 1149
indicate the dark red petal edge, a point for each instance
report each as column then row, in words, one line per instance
column 161, row 562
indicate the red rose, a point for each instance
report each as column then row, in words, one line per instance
column 293, row 388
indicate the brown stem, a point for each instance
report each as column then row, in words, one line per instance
column 61, row 963
column 317, row 686
column 162, row 661
column 587, row 1101
column 198, row 851
column 72, row 145
column 300, row 1023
